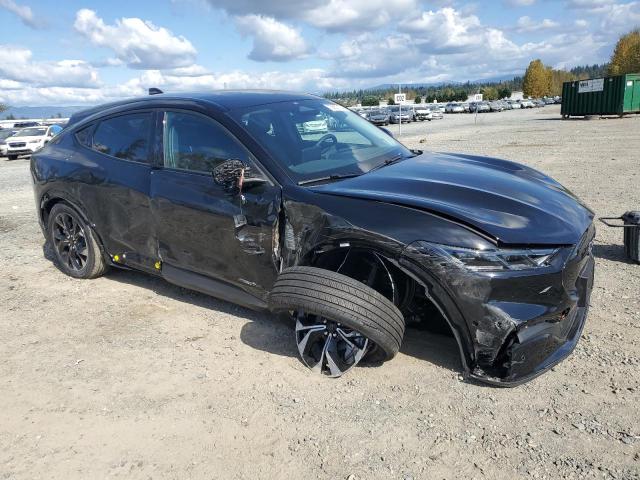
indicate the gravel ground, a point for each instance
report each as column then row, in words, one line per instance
column 129, row 376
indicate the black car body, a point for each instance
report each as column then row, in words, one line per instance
column 497, row 250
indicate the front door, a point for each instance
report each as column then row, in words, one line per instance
column 202, row 225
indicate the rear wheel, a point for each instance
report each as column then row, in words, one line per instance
column 12, row 157
column 338, row 319
column 76, row 250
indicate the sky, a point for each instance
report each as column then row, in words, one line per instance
column 86, row 52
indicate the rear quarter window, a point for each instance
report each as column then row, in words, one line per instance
column 84, row 136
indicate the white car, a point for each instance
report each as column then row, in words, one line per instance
column 315, row 126
column 29, row 140
column 527, row 103
column 422, row 113
column 454, row 108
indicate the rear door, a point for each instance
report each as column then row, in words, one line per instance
column 203, row 226
column 114, row 189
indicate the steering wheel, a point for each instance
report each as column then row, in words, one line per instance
column 324, row 138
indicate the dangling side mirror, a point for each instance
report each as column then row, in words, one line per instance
column 233, row 175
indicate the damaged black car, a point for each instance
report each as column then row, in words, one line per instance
column 292, row 204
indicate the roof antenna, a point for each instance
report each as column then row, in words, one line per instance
column 155, row 91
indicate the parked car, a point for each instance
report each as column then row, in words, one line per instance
column 437, row 111
column 317, row 125
column 378, row 117
column 421, row 113
column 397, row 114
column 539, row 103
column 5, row 134
column 479, row 107
column 549, row 101
column 26, row 124
column 29, row 140
column 514, row 104
column 351, row 235
column 454, row 108
column 527, row 103
column 496, row 106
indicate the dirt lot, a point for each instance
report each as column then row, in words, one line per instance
column 128, row 376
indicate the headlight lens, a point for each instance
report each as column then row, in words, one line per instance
column 492, row 260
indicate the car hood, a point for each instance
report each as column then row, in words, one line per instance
column 510, row 202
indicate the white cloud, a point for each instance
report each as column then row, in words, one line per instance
column 617, row 18
column 527, row 24
column 330, row 15
column 138, row 43
column 354, row 15
column 24, row 12
column 276, row 9
column 588, row 3
column 368, row 56
column 272, row 40
column 520, row 3
column 446, row 30
column 16, row 64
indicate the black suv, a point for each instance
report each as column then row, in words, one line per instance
column 347, row 231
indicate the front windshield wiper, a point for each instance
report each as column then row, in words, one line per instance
column 390, row 161
column 328, row 178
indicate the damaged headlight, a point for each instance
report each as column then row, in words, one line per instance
column 491, row 260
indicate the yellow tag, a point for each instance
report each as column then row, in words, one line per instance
column 157, row 265
column 116, row 258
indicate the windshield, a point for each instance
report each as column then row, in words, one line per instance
column 33, row 132
column 6, row 134
column 343, row 143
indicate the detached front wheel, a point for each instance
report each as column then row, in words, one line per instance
column 339, row 320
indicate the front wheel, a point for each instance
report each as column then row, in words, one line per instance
column 12, row 157
column 339, row 320
column 76, row 250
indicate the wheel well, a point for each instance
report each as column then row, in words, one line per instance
column 375, row 270
column 46, row 208
column 48, row 205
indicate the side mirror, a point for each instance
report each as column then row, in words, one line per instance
column 235, row 176
column 386, row 130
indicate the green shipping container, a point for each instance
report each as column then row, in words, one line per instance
column 602, row 96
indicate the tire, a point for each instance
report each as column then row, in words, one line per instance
column 341, row 299
column 12, row 157
column 94, row 265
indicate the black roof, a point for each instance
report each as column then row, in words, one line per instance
column 223, row 99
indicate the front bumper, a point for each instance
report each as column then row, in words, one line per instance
column 513, row 326
column 20, row 151
column 542, row 342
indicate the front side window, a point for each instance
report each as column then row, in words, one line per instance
column 197, row 143
column 317, row 138
column 125, row 136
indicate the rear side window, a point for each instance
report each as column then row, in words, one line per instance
column 197, row 143
column 84, row 136
column 126, row 137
